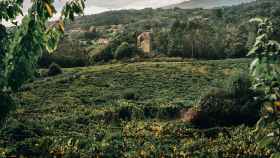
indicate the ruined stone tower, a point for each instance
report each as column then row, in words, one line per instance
column 144, row 41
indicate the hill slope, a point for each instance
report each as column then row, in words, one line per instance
column 207, row 4
column 80, row 113
column 229, row 24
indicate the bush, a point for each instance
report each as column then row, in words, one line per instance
column 233, row 106
column 6, row 105
column 17, row 131
column 130, row 94
column 64, row 61
column 129, row 112
column 123, row 51
column 54, row 70
column 215, row 109
column 126, row 113
column 238, row 85
column 103, row 55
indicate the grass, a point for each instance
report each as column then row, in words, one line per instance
column 123, row 110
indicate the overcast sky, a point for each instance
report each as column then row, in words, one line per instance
column 97, row 6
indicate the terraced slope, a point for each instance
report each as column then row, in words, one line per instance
column 123, row 110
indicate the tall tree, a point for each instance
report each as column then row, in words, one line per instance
column 176, row 39
column 24, row 45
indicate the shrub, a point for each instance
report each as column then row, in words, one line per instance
column 17, row 131
column 125, row 113
column 92, row 35
column 129, row 111
column 130, row 94
column 214, row 109
column 238, row 85
column 233, row 106
column 123, row 51
column 64, row 61
column 103, row 55
column 54, row 70
column 6, row 105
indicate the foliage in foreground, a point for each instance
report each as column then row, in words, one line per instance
column 265, row 70
column 22, row 47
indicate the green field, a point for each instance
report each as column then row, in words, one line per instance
column 124, row 110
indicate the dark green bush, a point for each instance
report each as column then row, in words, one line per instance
column 126, row 113
column 6, row 105
column 17, row 131
column 130, row 94
column 123, row 51
column 64, row 61
column 238, row 85
column 34, row 147
column 129, row 112
column 54, row 70
column 232, row 105
column 151, row 112
column 214, row 109
column 103, row 55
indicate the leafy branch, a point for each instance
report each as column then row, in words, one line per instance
column 25, row 45
column 265, row 70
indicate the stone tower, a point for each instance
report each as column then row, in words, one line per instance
column 144, row 41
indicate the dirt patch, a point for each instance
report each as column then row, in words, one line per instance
column 228, row 72
column 203, row 70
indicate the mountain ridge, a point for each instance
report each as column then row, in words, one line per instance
column 206, row 4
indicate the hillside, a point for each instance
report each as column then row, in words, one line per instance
column 219, row 33
column 243, row 10
column 80, row 113
column 195, row 80
column 207, row 4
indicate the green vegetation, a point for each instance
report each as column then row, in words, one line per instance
column 124, row 110
column 233, row 104
column 266, row 71
column 144, row 107
column 215, row 33
column 123, row 51
column 54, row 70
column 265, row 67
column 6, row 105
column 24, row 44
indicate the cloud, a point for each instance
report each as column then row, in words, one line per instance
column 110, row 4
column 98, row 6
column 95, row 10
column 140, row 4
column 130, row 4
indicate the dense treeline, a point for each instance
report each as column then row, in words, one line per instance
column 208, row 34
column 197, row 38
